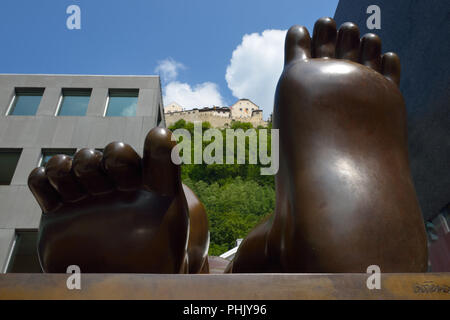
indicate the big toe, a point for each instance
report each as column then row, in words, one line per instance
column 160, row 173
column 297, row 45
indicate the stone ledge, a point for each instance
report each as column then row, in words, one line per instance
column 226, row 286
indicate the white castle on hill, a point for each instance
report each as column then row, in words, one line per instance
column 243, row 110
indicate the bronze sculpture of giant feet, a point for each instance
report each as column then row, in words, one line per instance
column 345, row 196
column 115, row 212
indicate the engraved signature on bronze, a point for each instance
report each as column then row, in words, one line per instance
column 431, row 287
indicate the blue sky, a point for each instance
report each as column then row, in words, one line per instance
column 192, row 42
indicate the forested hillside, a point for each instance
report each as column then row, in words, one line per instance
column 236, row 196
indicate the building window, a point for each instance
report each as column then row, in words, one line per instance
column 122, row 103
column 48, row 153
column 74, row 102
column 26, row 101
column 23, row 257
column 8, row 163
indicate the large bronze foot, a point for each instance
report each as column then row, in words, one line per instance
column 345, row 196
column 116, row 212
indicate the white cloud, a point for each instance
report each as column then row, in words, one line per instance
column 253, row 72
column 200, row 95
column 168, row 68
column 204, row 94
column 255, row 67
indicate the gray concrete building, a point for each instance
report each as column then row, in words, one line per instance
column 42, row 115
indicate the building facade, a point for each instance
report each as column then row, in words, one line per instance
column 43, row 115
column 243, row 110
